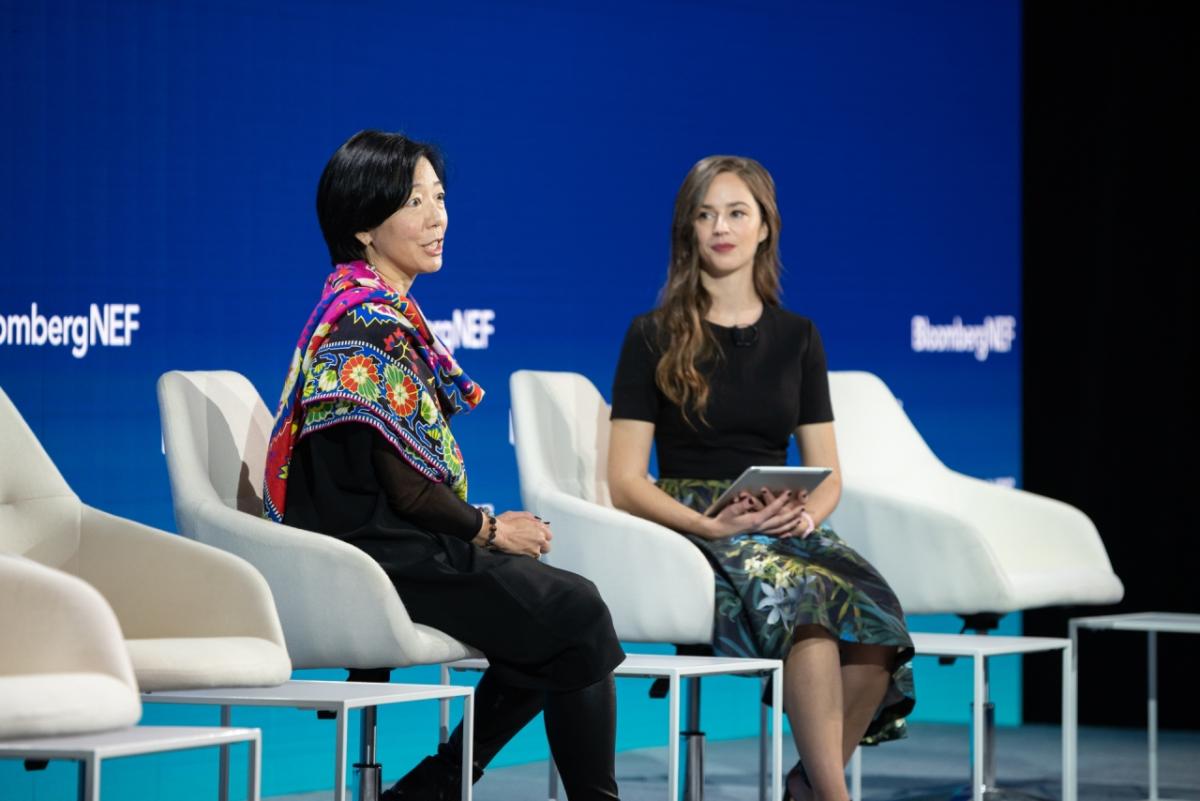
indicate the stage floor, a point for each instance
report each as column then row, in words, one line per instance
column 930, row 764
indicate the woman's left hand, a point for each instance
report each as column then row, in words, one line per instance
column 522, row 533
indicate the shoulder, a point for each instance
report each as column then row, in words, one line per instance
column 791, row 321
column 643, row 332
column 798, row 336
column 791, row 324
column 646, row 323
column 373, row 323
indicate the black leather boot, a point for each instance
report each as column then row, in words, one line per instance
column 582, row 728
column 435, row 778
column 500, row 712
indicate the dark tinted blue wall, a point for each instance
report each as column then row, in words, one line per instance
column 166, row 155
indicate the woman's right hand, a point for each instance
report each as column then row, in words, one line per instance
column 522, row 533
column 747, row 513
column 744, row 513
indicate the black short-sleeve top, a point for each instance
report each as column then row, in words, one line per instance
column 758, row 394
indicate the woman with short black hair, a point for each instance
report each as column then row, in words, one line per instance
column 362, row 450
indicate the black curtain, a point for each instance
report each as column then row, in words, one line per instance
column 1110, row 261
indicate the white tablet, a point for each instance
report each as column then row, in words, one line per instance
column 776, row 479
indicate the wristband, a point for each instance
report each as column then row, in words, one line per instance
column 491, row 533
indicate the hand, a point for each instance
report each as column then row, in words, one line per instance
column 522, row 533
column 748, row 513
column 791, row 521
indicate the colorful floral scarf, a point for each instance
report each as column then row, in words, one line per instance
column 371, row 379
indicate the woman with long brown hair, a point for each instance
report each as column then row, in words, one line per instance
column 718, row 378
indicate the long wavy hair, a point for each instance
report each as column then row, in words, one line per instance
column 687, row 345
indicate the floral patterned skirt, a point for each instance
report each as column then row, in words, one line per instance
column 767, row 587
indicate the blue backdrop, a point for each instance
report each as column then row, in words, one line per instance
column 160, row 162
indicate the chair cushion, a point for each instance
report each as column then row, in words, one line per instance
column 49, row 704
column 194, row 663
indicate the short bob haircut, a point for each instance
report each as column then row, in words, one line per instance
column 364, row 183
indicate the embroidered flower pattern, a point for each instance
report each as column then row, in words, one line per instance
column 360, row 375
column 359, row 328
column 402, row 391
column 428, row 409
column 316, row 412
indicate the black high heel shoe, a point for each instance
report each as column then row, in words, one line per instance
column 797, row 770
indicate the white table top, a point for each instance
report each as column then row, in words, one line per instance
column 311, row 694
column 1142, row 621
column 665, row 665
column 928, row 644
column 125, row 742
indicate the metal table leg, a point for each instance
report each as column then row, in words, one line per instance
column 1152, row 709
column 673, row 738
column 762, row 744
column 223, row 770
column 856, row 775
column 468, row 762
column 254, row 769
column 339, row 766
column 978, row 713
column 777, row 733
column 1069, row 725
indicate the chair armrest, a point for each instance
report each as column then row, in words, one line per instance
column 658, row 586
column 161, row 585
column 337, row 605
column 934, row 560
column 52, row 622
column 1050, row 551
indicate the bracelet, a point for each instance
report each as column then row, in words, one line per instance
column 491, row 537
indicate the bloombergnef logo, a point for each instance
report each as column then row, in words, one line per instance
column 107, row 324
column 466, row 328
column 994, row 335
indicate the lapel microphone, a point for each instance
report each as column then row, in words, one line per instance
column 744, row 336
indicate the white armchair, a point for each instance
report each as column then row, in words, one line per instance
column 947, row 542
column 337, row 605
column 560, row 428
column 657, row 585
column 64, row 668
column 192, row 616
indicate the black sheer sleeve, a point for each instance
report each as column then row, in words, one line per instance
column 420, row 501
column 635, row 395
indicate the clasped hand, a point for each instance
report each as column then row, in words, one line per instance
column 783, row 515
column 522, row 533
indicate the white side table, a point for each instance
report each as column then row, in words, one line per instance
column 90, row 750
column 338, row 697
column 675, row 669
column 981, row 647
column 1152, row 623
